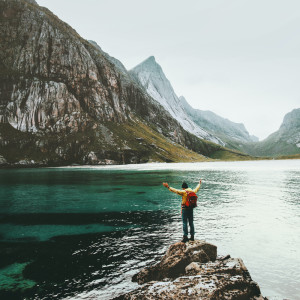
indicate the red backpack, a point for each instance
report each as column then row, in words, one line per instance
column 191, row 199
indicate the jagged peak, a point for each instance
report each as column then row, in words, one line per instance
column 150, row 59
column 149, row 64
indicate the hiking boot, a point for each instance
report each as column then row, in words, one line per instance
column 192, row 238
column 185, row 239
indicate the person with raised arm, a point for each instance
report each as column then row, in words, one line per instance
column 189, row 202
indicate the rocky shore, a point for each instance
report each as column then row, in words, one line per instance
column 194, row 271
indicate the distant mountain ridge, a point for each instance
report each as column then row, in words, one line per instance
column 210, row 126
column 285, row 141
column 204, row 124
column 151, row 76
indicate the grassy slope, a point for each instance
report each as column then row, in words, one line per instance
column 134, row 137
column 231, row 155
column 152, row 144
column 166, row 150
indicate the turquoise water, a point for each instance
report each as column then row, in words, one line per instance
column 71, row 233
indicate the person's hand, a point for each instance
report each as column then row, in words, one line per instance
column 165, row 184
column 200, row 181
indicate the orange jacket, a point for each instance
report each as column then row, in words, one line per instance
column 183, row 192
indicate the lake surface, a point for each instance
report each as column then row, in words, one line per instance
column 82, row 232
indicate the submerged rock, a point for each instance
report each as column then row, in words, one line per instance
column 193, row 271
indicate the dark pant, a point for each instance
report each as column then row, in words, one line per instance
column 187, row 215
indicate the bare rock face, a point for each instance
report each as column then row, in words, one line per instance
column 193, row 271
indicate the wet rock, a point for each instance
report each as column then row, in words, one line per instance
column 193, row 271
column 176, row 259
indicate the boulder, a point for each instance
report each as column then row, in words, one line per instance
column 193, row 271
column 178, row 256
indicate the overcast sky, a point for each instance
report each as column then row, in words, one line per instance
column 237, row 58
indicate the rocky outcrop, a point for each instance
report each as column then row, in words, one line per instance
column 178, row 256
column 194, row 271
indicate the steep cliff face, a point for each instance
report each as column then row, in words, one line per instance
column 48, row 73
column 64, row 100
column 151, row 76
column 113, row 60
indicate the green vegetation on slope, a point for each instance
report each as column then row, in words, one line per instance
column 121, row 143
column 231, row 155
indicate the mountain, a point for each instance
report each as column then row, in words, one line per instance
column 208, row 125
column 285, row 141
column 151, row 76
column 204, row 124
column 63, row 100
column 225, row 129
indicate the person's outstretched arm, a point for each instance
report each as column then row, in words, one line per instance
column 198, row 186
column 178, row 192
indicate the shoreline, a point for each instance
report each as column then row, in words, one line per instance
column 130, row 166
